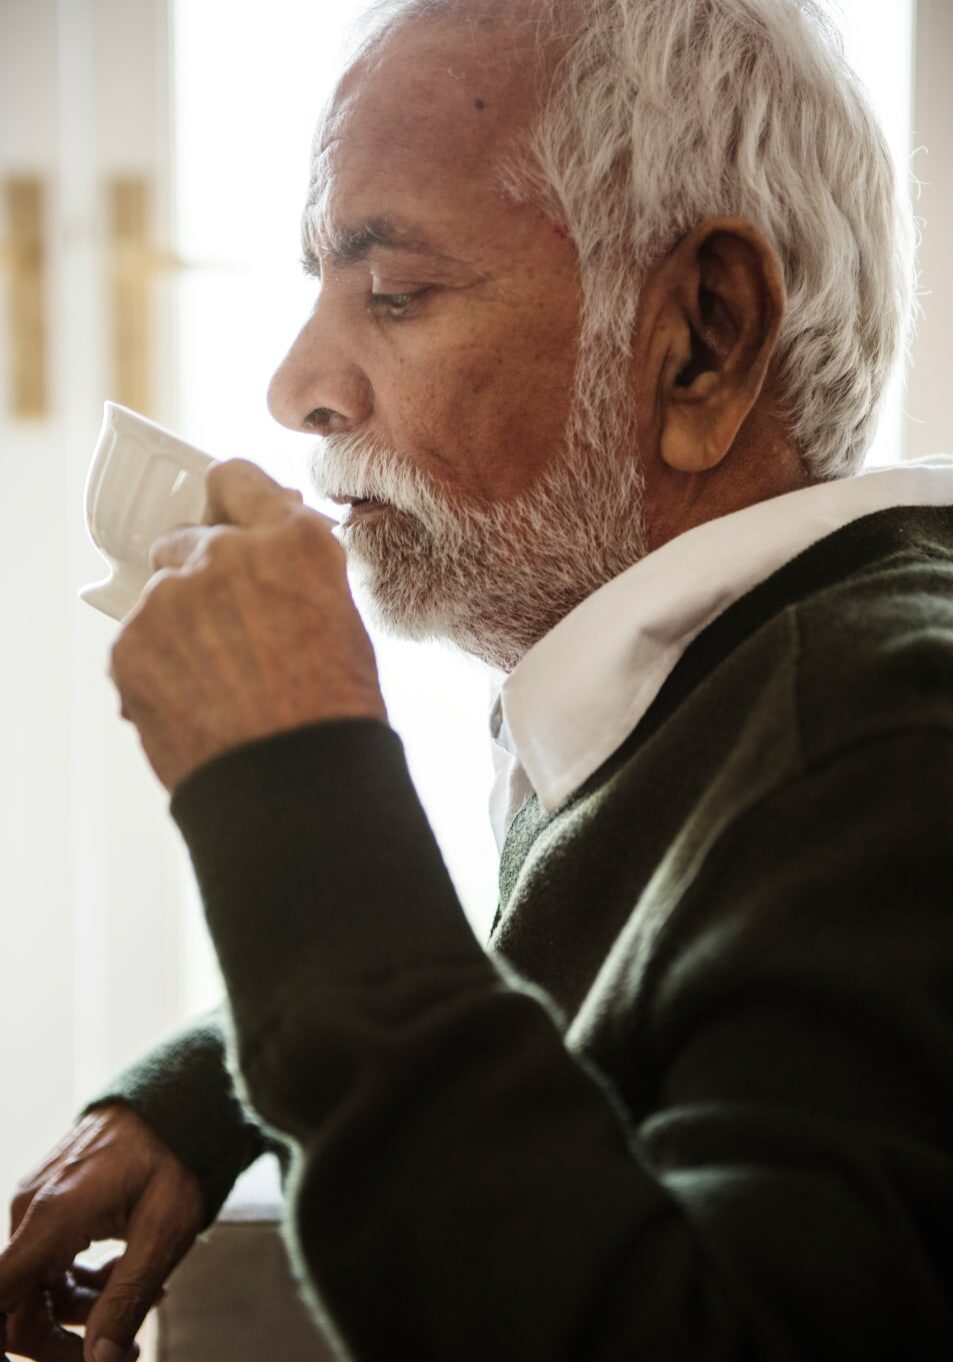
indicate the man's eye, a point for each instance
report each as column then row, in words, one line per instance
column 394, row 304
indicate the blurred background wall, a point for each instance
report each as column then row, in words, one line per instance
column 153, row 164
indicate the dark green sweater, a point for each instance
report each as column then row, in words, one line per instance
column 697, row 1101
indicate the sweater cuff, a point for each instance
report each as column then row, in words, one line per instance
column 183, row 1090
column 317, row 866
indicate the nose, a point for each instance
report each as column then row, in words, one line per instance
column 317, row 388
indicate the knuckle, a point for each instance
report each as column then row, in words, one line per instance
column 23, row 1193
column 221, row 474
column 215, row 477
column 46, row 1201
column 158, row 600
column 20, row 1203
column 221, row 546
column 169, row 549
column 305, row 532
column 123, row 1307
column 161, row 590
column 131, row 1294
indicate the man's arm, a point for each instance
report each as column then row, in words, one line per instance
column 184, row 1091
column 464, row 1186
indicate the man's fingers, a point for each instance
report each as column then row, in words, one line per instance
column 155, row 1245
column 72, row 1303
column 33, row 1331
column 241, row 496
column 127, row 1298
column 178, row 546
column 37, row 1255
column 53, row 1230
column 76, row 1294
column 241, row 493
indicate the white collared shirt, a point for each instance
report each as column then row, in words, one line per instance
column 582, row 689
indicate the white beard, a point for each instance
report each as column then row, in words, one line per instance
column 493, row 578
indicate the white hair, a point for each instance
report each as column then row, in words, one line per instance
column 663, row 113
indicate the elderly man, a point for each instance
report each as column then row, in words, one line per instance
column 609, row 292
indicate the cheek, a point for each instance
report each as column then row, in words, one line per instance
column 484, row 415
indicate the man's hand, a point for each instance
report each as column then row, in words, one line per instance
column 111, row 1177
column 247, row 629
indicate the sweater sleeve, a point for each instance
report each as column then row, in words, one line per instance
column 185, row 1091
column 465, row 1186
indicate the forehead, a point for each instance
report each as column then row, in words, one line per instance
column 419, row 128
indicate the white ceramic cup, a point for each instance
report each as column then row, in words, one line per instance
column 142, row 482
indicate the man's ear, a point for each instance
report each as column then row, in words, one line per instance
column 720, row 308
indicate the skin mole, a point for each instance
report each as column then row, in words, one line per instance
column 479, row 104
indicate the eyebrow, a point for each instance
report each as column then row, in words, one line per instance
column 351, row 245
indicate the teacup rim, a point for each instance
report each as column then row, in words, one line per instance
column 116, row 412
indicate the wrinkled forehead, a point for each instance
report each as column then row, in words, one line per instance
column 433, row 110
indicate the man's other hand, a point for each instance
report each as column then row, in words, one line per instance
column 247, row 629
column 111, row 1177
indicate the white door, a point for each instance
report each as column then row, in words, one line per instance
column 91, row 875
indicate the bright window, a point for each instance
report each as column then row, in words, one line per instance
column 879, row 40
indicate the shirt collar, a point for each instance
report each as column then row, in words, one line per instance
column 582, row 689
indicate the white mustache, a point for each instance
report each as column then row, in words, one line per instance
column 355, row 468
column 361, row 468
